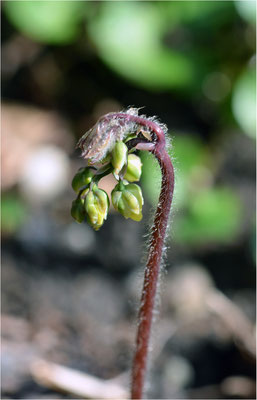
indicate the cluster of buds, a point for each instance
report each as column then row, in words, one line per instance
column 92, row 203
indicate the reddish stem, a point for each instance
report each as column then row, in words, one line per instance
column 155, row 251
column 152, row 273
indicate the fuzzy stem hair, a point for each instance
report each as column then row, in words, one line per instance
column 158, row 149
column 152, row 273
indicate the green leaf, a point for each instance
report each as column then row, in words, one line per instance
column 54, row 22
column 204, row 12
column 128, row 37
column 213, row 216
column 244, row 102
column 247, row 10
column 151, row 176
column 186, row 152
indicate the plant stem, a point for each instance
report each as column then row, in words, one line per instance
column 152, row 272
column 155, row 250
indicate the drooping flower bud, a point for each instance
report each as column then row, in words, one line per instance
column 134, row 168
column 78, row 210
column 128, row 200
column 96, row 206
column 82, row 178
column 102, row 199
column 119, row 156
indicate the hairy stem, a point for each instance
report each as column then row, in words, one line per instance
column 157, row 147
column 152, row 273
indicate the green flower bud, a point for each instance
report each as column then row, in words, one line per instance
column 82, row 178
column 128, row 200
column 119, row 156
column 137, row 192
column 102, row 199
column 90, row 207
column 77, row 210
column 134, row 168
column 96, row 207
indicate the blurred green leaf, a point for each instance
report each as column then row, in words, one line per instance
column 189, row 159
column 213, row 215
column 13, row 213
column 128, row 36
column 151, row 177
column 247, row 10
column 54, row 22
column 203, row 213
column 205, row 12
column 187, row 152
column 244, row 101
